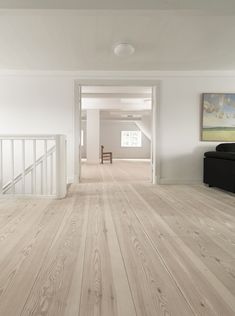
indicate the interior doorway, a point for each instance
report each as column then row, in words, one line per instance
column 127, row 117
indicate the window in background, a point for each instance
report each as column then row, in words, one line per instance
column 131, row 139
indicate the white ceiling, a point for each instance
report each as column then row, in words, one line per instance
column 83, row 40
column 120, row 4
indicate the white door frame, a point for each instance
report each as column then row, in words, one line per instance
column 155, row 141
column 77, row 117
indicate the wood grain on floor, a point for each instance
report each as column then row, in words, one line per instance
column 119, row 246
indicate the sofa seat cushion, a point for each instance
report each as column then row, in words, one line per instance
column 220, row 155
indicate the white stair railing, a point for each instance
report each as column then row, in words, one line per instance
column 33, row 165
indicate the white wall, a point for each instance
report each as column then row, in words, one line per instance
column 180, row 120
column 110, row 138
column 40, row 104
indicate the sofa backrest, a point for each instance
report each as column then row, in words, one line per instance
column 227, row 147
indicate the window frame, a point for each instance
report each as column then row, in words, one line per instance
column 129, row 143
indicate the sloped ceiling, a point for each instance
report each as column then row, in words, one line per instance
column 113, row 99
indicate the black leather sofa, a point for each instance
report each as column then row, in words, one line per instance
column 219, row 167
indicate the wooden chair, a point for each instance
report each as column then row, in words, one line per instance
column 106, row 155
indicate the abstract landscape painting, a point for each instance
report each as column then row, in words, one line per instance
column 218, row 117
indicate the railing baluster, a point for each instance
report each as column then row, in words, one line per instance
column 31, row 173
column 45, row 166
column 23, row 166
column 42, row 179
column 52, row 173
column 1, row 168
column 34, row 168
column 12, row 166
column 60, row 160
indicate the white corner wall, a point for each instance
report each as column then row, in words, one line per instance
column 180, row 124
column 44, row 104
column 110, row 138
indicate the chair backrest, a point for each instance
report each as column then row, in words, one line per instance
column 102, row 149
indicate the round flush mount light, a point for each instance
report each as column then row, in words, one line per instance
column 123, row 49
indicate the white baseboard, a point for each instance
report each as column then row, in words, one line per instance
column 180, row 181
column 162, row 181
column 92, row 162
column 70, row 180
column 132, row 159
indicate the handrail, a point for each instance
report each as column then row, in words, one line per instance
column 28, row 137
column 10, row 184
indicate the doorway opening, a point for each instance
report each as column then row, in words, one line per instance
column 122, row 119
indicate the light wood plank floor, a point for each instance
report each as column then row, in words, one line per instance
column 119, row 246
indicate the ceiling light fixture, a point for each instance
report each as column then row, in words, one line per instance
column 123, row 49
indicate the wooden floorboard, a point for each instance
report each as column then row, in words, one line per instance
column 119, row 246
column 50, row 291
column 174, row 244
column 154, row 292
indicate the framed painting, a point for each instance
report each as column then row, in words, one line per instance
column 218, row 117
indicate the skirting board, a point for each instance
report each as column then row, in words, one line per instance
column 162, row 181
column 70, row 180
column 93, row 162
column 133, row 159
column 179, row 181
